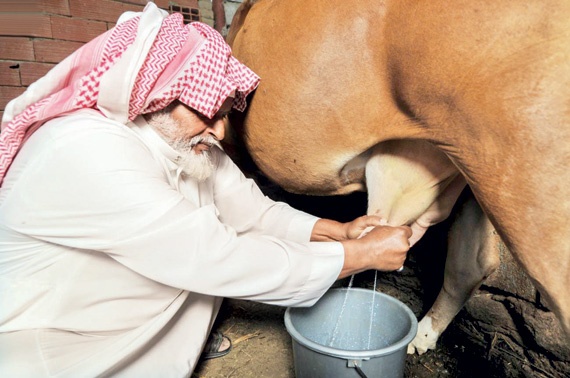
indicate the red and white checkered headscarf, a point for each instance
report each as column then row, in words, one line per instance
column 144, row 63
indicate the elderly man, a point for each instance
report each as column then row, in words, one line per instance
column 122, row 222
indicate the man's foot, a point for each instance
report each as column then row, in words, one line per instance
column 217, row 345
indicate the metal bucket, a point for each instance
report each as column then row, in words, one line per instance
column 369, row 339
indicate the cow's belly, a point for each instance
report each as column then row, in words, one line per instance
column 315, row 112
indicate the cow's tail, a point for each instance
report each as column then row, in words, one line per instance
column 239, row 19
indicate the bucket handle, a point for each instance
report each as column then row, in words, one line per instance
column 354, row 364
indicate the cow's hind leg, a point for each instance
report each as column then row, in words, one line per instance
column 471, row 257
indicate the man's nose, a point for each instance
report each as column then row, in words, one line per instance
column 217, row 129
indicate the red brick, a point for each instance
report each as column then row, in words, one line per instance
column 1, row 114
column 159, row 3
column 54, row 51
column 13, row 6
column 30, row 71
column 9, row 93
column 9, row 73
column 16, row 48
column 29, row 25
column 37, row 6
column 188, row 3
column 101, row 10
column 76, row 29
column 56, row 7
column 162, row 3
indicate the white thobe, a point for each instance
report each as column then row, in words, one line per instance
column 112, row 262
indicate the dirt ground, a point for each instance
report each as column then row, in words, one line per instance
column 262, row 347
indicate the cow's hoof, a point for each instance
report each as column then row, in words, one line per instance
column 412, row 348
column 425, row 339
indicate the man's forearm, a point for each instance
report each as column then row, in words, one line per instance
column 329, row 230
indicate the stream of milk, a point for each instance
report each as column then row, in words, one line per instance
column 343, row 307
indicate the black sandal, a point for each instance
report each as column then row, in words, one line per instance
column 211, row 350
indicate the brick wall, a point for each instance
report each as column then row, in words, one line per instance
column 35, row 35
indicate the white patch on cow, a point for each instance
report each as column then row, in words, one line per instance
column 425, row 339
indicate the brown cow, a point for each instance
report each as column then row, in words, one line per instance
column 410, row 100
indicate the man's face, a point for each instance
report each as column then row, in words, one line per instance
column 191, row 135
column 198, row 129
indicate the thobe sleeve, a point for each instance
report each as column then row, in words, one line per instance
column 102, row 190
column 243, row 206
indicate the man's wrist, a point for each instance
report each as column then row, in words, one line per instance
column 329, row 230
column 355, row 261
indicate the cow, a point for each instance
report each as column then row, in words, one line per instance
column 413, row 101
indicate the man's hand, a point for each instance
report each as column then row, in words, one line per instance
column 368, row 243
column 329, row 230
column 354, row 229
column 383, row 248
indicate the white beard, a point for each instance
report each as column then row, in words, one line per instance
column 197, row 166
